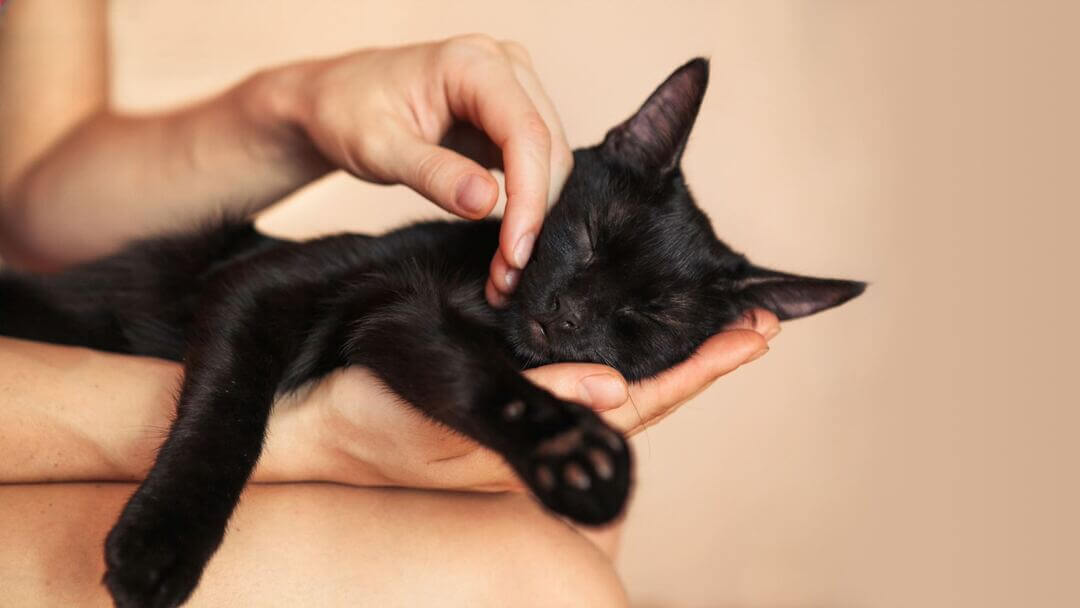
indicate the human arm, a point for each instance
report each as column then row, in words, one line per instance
column 71, row 414
column 78, row 179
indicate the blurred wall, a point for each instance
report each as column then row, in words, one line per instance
column 913, row 448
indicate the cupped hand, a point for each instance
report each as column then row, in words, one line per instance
column 369, row 437
column 394, row 115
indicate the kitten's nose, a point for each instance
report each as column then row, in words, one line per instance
column 567, row 315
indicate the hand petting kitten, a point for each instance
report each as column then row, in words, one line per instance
column 381, row 115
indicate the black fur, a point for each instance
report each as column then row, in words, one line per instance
column 627, row 271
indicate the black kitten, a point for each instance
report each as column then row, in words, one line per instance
column 627, row 272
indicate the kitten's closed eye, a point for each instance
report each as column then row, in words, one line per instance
column 645, row 313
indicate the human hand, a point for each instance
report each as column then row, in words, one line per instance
column 381, row 114
column 371, row 439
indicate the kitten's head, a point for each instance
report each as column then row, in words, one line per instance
column 627, row 270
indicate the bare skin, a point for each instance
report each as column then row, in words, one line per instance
column 319, row 545
column 73, row 414
column 73, row 181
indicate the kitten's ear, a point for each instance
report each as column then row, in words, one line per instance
column 652, row 140
column 791, row 296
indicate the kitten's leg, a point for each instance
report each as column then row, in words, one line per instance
column 175, row 521
column 456, row 370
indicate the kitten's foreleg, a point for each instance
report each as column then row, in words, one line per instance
column 156, row 552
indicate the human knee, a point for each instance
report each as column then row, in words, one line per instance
column 549, row 564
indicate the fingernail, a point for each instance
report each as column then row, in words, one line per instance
column 602, row 390
column 511, row 278
column 759, row 354
column 474, row 194
column 769, row 335
column 523, row 249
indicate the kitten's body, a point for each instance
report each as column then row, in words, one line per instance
column 627, row 271
column 143, row 301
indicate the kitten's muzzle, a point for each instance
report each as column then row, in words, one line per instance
column 567, row 316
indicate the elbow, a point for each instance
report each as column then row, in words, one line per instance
column 37, row 230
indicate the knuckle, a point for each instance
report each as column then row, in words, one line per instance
column 428, row 171
column 517, row 52
column 362, row 155
column 562, row 157
column 473, row 43
column 471, row 53
column 536, row 130
column 367, row 148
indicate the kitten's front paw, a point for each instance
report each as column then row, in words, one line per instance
column 149, row 564
column 582, row 471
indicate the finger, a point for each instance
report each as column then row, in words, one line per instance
column 746, row 320
column 766, row 323
column 562, row 158
column 719, row 355
column 596, row 386
column 444, row 177
column 503, row 277
column 760, row 320
column 528, row 172
column 496, row 298
column 494, row 100
column 656, row 397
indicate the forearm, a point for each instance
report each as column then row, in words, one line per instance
column 72, row 414
column 114, row 177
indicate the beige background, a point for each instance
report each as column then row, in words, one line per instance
column 914, row 448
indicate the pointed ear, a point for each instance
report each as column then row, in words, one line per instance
column 652, row 140
column 791, row 296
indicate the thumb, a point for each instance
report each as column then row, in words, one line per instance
column 596, row 386
column 444, row 177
